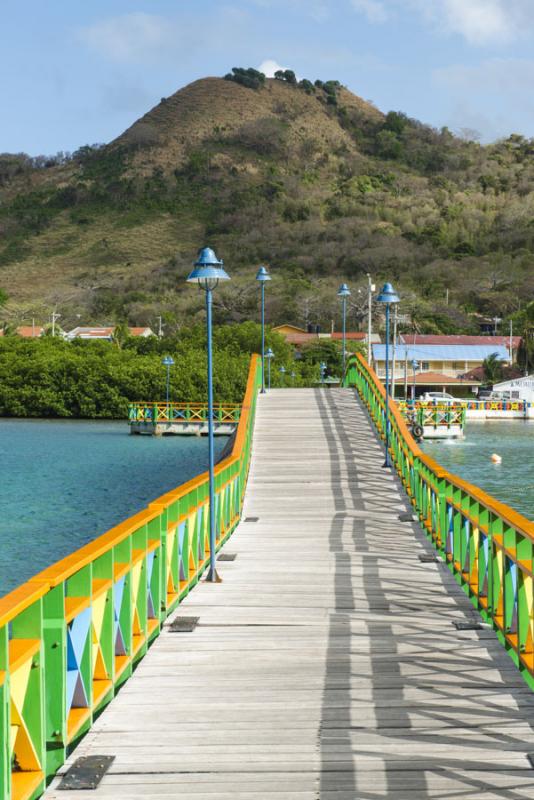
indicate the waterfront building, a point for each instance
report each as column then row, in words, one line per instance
column 300, row 336
column 511, row 343
column 517, row 388
column 105, row 333
column 444, row 368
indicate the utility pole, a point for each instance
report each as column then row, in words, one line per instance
column 405, row 373
column 511, row 342
column 370, row 290
column 394, row 354
column 160, row 327
column 55, row 316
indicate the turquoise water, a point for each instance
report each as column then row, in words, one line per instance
column 63, row 483
column 512, row 482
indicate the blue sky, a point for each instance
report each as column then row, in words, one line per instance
column 74, row 72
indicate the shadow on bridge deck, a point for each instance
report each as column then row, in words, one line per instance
column 326, row 664
column 424, row 710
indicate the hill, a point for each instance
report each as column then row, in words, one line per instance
column 307, row 178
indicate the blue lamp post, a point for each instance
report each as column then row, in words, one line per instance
column 388, row 296
column 269, row 355
column 282, row 372
column 168, row 361
column 415, row 367
column 344, row 292
column 263, row 276
column 208, row 272
column 322, row 367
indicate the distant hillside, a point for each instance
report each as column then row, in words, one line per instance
column 310, row 179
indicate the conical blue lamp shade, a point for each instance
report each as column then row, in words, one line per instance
column 388, row 295
column 208, row 269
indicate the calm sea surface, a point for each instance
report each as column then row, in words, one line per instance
column 63, row 483
column 512, row 482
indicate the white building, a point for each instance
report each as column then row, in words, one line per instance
column 517, row 388
column 105, row 333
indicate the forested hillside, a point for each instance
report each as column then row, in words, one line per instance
column 305, row 177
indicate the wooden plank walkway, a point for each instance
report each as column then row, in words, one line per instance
column 326, row 664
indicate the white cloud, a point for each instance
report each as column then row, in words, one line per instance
column 128, row 37
column 480, row 22
column 269, row 67
column 374, row 10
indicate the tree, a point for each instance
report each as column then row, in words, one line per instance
column 324, row 350
column 307, row 86
column 121, row 334
column 286, row 75
column 492, row 368
column 389, row 145
column 396, row 121
column 251, row 78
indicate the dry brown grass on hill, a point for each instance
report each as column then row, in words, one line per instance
column 216, row 107
column 320, row 186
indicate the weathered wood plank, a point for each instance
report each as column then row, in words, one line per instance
column 326, row 663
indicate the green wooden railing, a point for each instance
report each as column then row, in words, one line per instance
column 182, row 413
column 433, row 415
column 487, row 545
column 72, row 635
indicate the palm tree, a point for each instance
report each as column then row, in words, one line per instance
column 492, row 367
column 8, row 329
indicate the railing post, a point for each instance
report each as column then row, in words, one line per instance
column 5, row 765
column 55, row 669
column 441, row 534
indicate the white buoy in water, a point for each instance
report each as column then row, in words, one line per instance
column 496, row 458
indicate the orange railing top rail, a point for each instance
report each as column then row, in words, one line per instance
column 508, row 514
column 164, row 404
column 23, row 596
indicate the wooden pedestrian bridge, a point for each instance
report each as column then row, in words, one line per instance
column 372, row 638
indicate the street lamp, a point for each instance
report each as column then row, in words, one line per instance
column 388, row 295
column 263, row 276
column 282, row 372
column 168, row 361
column 344, row 292
column 269, row 355
column 207, row 273
column 415, row 367
column 322, row 367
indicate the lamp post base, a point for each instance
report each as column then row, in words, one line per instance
column 213, row 577
column 386, row 464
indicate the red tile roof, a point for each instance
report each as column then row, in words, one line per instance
column 431, row 338
column 358, row 336
column 139, row 331
column 28, row 331
column 300, row 338
column 304, row 338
